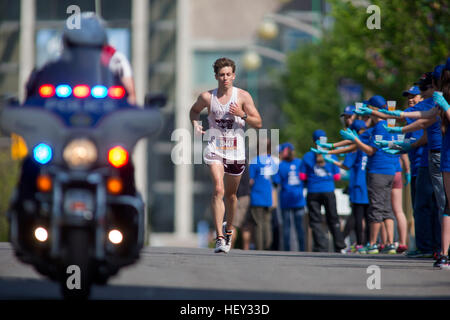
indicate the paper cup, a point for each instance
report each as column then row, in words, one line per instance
column 358, row 105
column 391, row 105
column 378, row 137
column 391, row 123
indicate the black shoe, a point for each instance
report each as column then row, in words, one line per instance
column 441, row 261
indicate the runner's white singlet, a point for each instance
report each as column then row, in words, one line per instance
column 226, row 131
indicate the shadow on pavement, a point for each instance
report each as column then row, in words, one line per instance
column 34, row 289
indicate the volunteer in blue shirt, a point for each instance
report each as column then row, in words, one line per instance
column 414, row 97
column 438, row 79
column 348, row 116
column 433, row 137
column 292, row 201
column 262, row 168
column 381, row 168
column 356, row 163
column 320, row 176
column 443, row 102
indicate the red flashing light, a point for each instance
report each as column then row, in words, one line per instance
column 116, row 92
column 81, row 91
column 118, row 156
column 47, row 91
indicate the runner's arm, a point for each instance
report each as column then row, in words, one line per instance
column 253, row 117
column 196, row 109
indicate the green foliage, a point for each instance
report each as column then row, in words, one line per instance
column 9, row 173
column 413, row 38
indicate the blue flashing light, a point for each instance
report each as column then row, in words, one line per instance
column 99, row 92
column 42, row 153
column 63, row 90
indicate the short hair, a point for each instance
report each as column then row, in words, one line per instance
column 223, row 62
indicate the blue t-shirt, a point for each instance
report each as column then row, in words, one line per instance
column 319, row 179
column 381, row 162
column 262, row 168
column 434, row 134
column 398, row 166
column 291, row 192
column 357, row 163
column 414, row 154
column 424, row 156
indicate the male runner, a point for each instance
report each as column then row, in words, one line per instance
column 229, row 109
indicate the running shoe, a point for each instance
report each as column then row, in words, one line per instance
column 221, row 245
column 442, row 261
column 436, row 255
column 389, row 249
column 228, row 236
column 372, row 249
column 419, row 254
column 401, row 248
column 349, row 249
column 363, row 249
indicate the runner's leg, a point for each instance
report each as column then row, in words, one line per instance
column 231, row 183
column 217, row 205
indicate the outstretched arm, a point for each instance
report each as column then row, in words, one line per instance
column 352, row 147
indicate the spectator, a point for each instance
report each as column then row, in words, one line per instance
column 320, row 176
column 291, row 200
column 381, row 168
column 433, row 137
column 356, row 163
column 261, row 170
column 348, row 116
column 415, row 154
column 442, row 100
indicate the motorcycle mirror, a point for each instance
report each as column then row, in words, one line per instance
column 153, row 100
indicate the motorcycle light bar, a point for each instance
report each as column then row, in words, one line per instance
column 81, row 91
column 47, row 91
column 99, row 92
column 118, row 156
column 42, row 153
column 63, row 91
column 116, row 92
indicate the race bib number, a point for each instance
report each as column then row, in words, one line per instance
column 226, row 143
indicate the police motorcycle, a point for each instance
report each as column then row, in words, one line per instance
column 76, row 216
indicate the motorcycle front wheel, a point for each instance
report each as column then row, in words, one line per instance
column 76, row 272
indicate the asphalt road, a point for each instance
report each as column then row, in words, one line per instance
column 167, row 273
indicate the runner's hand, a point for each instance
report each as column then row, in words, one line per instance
column 198, row 129
column 236, row 110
